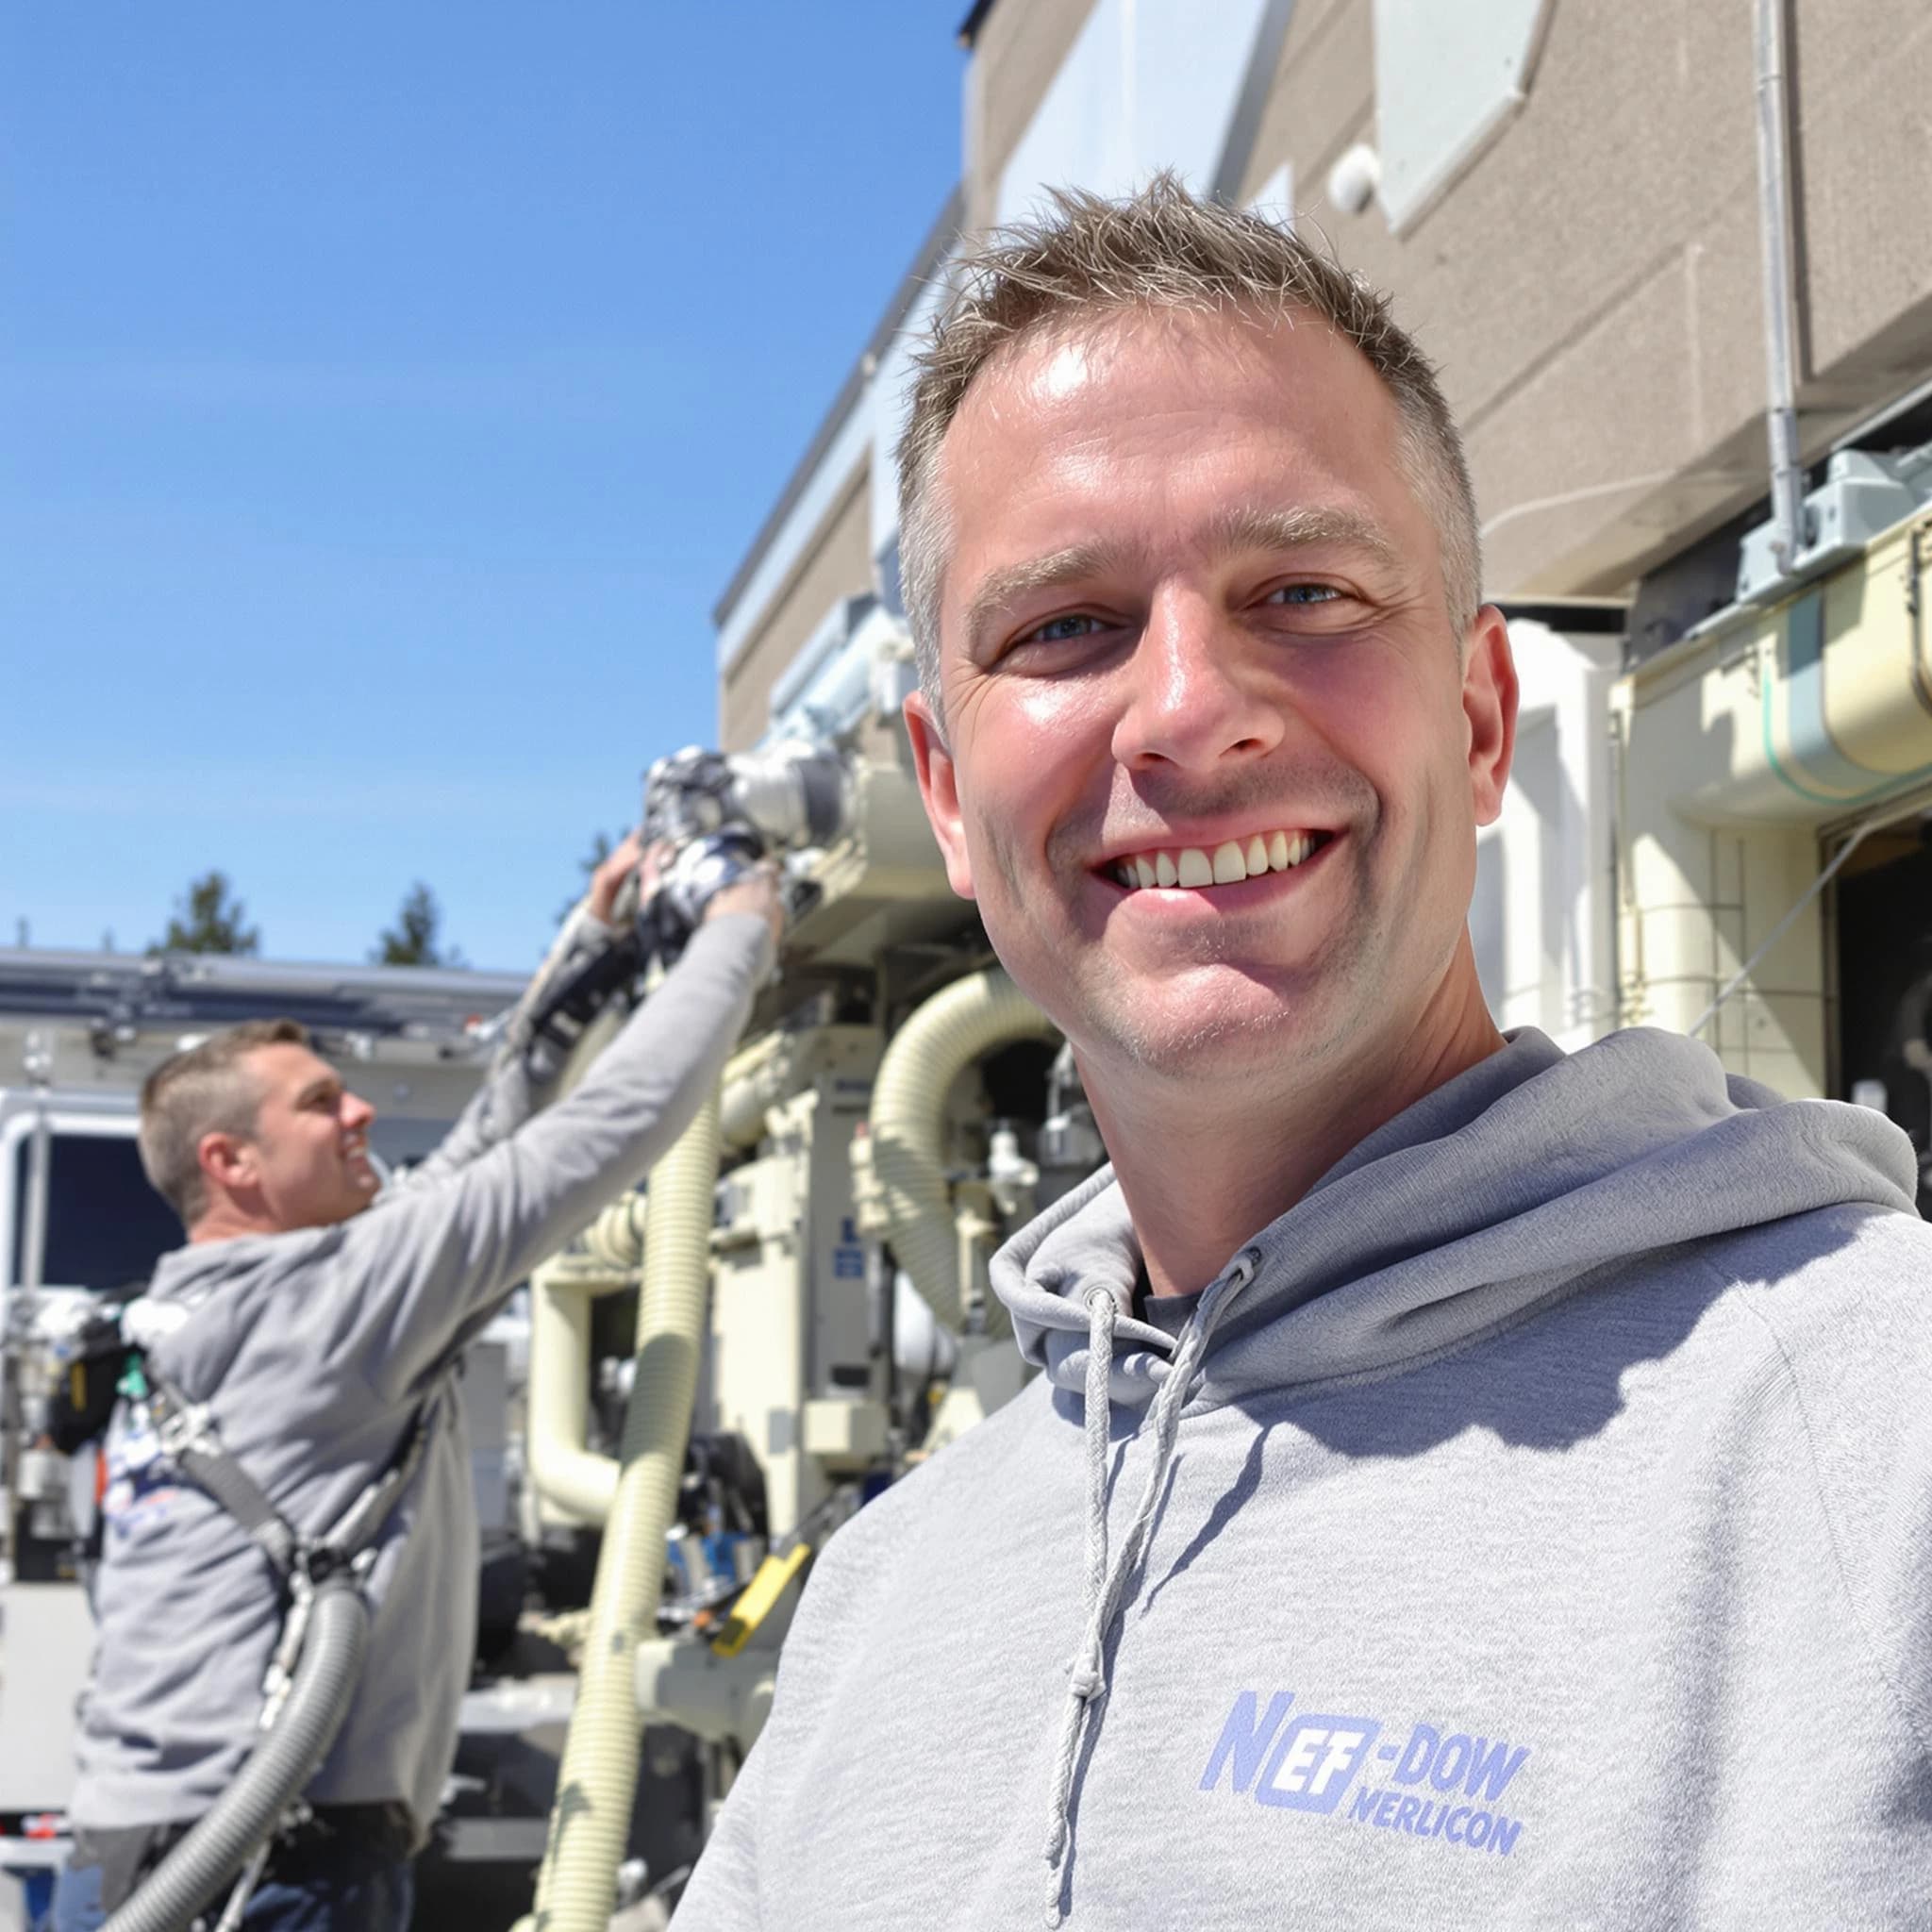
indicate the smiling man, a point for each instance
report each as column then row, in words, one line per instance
column 319, row 1337
column 1468, row 1485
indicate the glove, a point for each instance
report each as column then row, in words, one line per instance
column 699, row 872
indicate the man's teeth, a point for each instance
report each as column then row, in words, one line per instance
column 1226, row 865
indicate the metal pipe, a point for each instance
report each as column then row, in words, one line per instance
column 39, row 1183
column 18, row 1303
column 567, row 1474
column 1780, row 292
column 936, row 1045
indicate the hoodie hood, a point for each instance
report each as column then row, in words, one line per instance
column 1488, row 1195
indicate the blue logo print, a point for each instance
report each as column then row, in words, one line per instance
column 1437, row 1787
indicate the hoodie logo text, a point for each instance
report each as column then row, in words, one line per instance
column 1434, row 1785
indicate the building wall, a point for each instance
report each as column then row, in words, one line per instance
column 1019, row 51
column 836, row 564
column 1590, row 279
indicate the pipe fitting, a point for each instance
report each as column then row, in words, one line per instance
column 956, row 1026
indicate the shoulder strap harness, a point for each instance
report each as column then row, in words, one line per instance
column 186, row 1431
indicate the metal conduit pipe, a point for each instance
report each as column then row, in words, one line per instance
column 616, row 1237
column 214, row 1854
column 1780, row 285
column 756, row 1077
column 596, row 1782
column 566, row 1473
column 935, row 1046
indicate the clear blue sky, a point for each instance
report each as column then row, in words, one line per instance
column 386, row 394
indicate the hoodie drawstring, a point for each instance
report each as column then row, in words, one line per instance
column 1106, row 1583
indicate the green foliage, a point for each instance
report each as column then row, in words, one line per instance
column 207, row 920
column 412, row 940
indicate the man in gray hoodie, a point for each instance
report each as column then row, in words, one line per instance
column 1468, row 1485
column 316, row 1334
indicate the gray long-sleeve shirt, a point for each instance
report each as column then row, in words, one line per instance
column 313, row 1350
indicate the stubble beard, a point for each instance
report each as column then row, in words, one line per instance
column 1196, row 1022
column 1314, row 1010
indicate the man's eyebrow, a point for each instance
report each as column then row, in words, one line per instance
column 1251, row 527
column 999, row 589
column 324, row 1083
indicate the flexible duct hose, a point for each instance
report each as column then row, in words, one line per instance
column 214, row 1854
column 596, row 1784
column 908, row 1108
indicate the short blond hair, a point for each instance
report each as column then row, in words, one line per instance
column 206, row 1089
column 1164, row 248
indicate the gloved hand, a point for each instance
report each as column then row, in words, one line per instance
column 723, row 866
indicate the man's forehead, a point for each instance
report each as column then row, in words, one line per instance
column 1181, row 394
column 1036, row 434
column 1068, row 362
column 286, row 1064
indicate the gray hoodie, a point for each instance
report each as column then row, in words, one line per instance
column 314, row 1351
column 1531, row 1528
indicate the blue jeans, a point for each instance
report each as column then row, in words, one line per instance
column 363, row 1887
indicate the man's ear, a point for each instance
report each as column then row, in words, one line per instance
column 939, row 790
column 1489, row 708
column 227, row 1160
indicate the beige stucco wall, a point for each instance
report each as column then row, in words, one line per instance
column 1589, row 282
column 836, row 564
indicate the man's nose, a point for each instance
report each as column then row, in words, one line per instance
column 357, row 1112
column 1196, row 698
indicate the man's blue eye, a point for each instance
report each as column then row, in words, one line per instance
column 1305, row 593
column 1059, row 630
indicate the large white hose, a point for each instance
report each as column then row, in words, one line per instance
column 596, row 1783
column 907, row 1126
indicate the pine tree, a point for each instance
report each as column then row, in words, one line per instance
column 412, row 940
column 207, row 920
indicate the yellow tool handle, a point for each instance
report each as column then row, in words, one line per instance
column 760, row 1594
